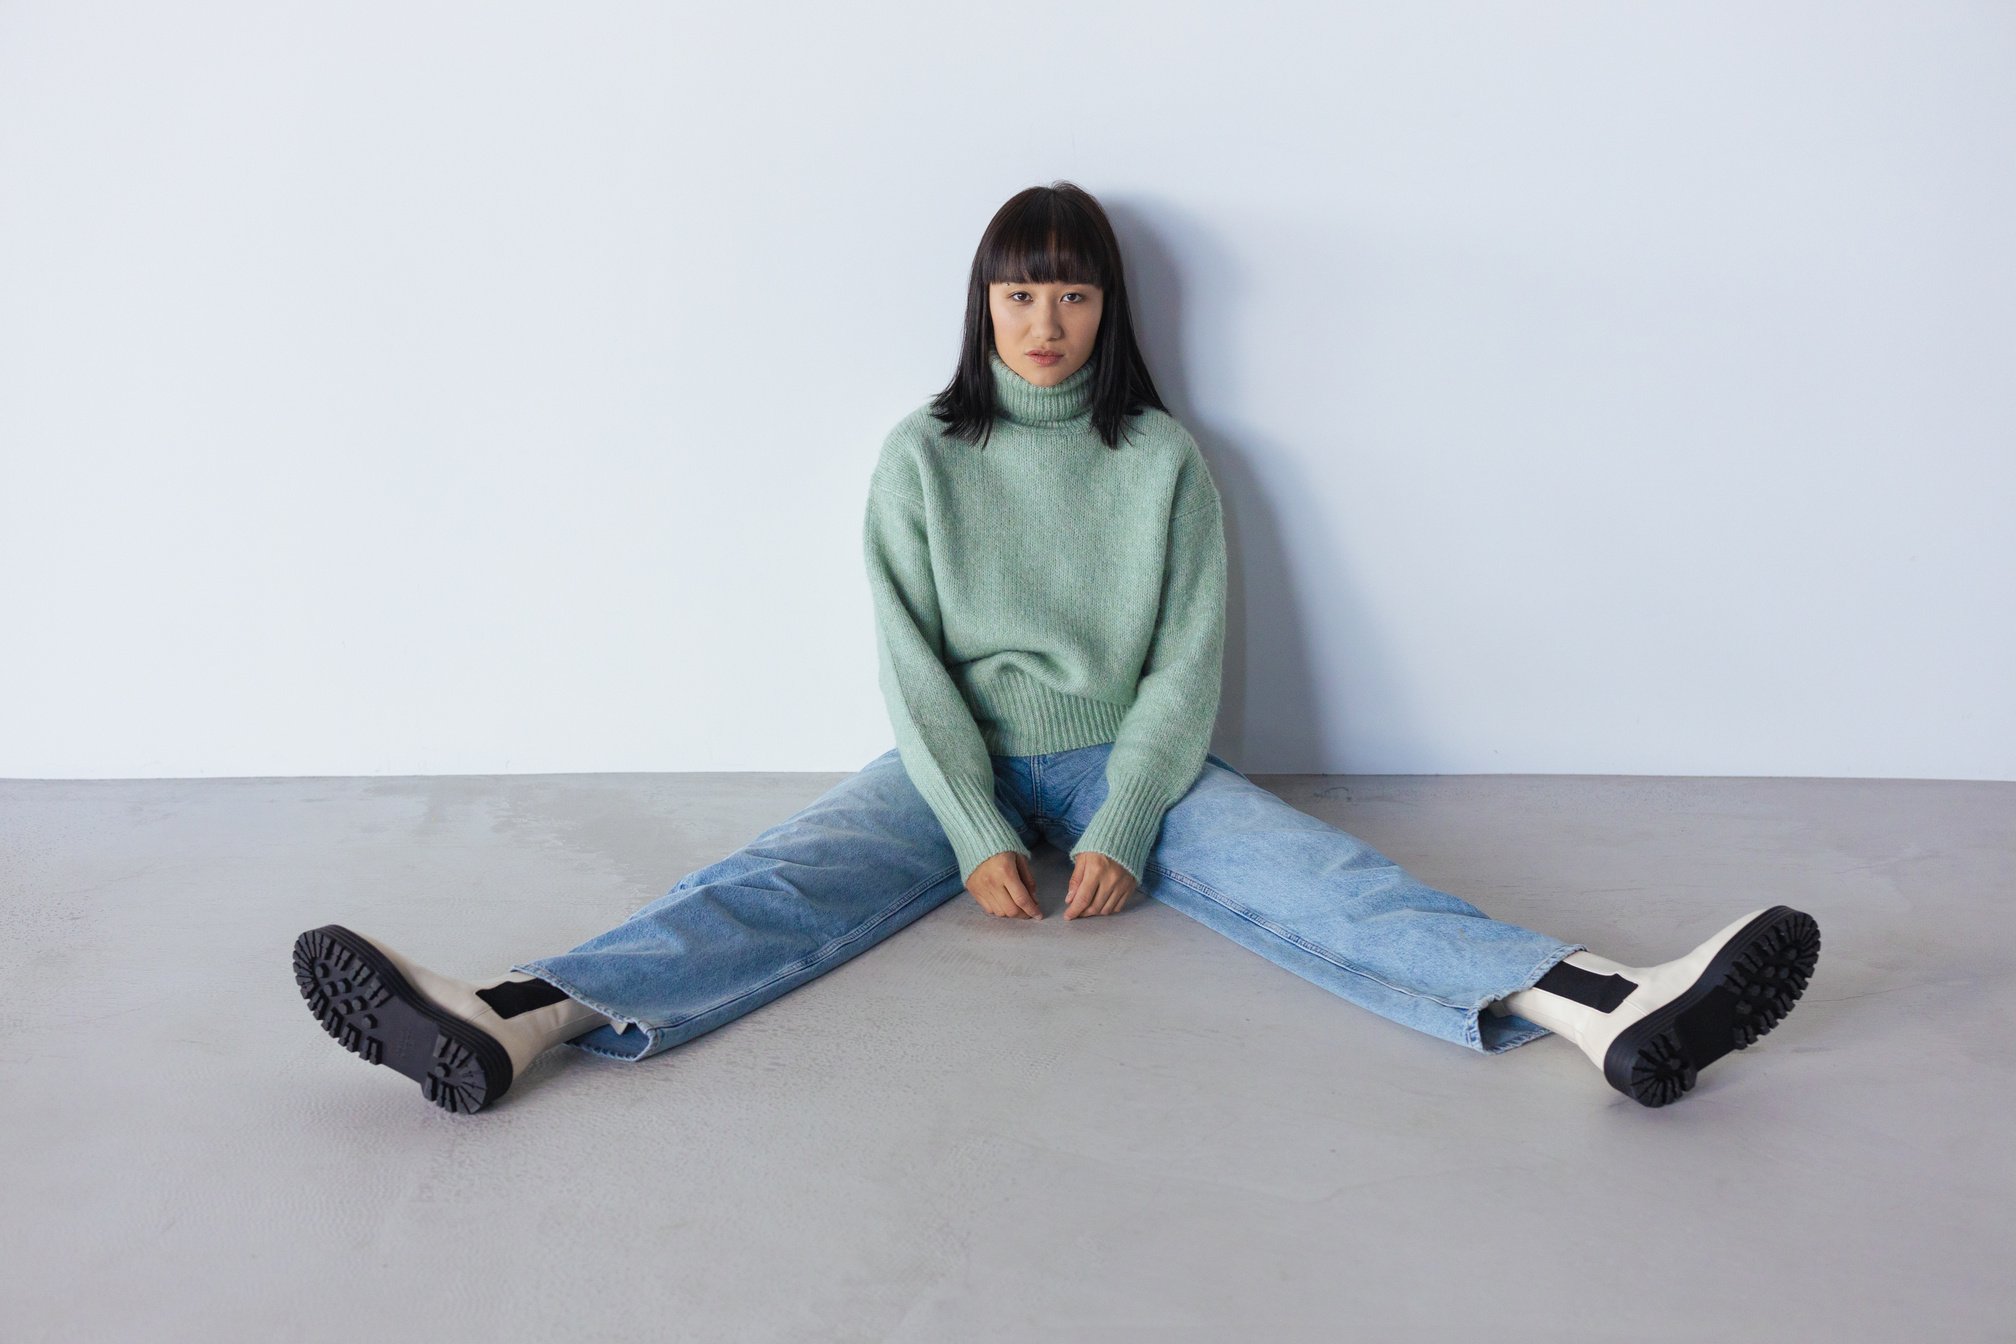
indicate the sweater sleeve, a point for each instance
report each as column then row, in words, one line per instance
column 940, row 744
column 1166, row 733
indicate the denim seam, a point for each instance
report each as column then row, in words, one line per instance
column 1205, row 890
column 580, row 1044
column 817, row 957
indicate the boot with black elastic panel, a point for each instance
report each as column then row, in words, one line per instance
column 1652, row 1029
column 464, row 1042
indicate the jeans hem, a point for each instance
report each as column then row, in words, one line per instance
column 1513, row 1030
column 644, row 1033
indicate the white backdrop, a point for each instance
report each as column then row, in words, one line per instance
column 427, row 388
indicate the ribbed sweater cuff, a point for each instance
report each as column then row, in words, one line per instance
column 1125, row 825
column 974, row 825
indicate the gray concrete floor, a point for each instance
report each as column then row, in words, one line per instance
column 1124, row 1128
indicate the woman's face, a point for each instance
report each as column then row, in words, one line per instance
column 1031, row 319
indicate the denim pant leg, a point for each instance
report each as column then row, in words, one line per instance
column 831, row 881
column 1322, row 903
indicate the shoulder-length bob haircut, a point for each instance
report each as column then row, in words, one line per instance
column 1049, row 235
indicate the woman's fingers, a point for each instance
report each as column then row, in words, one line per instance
column 1083, row 885
column 1007, row 887
column 1093, row 882
column 1099, row 886
column 1003, row 886
column 1025, row 893
column 1007, row 894
column 1020, row 896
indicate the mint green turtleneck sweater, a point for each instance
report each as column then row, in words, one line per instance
column 1044, row 594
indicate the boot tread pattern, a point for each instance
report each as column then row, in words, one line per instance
column 1747, row 989
column 366, row 1005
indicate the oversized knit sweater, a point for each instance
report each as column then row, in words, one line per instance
column 1045, row 593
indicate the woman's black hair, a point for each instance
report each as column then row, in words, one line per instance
column 1049, row 235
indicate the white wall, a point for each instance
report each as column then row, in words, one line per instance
column 426, row 388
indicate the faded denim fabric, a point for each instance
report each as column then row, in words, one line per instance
column 868, row 857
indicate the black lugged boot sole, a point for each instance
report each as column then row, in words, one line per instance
column 1745, row 990
column 361, row 999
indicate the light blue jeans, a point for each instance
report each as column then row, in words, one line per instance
column 868, row 857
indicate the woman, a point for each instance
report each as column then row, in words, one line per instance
column 1046, row 554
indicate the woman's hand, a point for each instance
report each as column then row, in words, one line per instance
column 1099, row 886
column 1003, row 886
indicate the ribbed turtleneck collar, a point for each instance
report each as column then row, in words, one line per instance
column 1026, row 403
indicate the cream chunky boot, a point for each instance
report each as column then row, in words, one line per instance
column 1652, row 1029
column 463, row 1042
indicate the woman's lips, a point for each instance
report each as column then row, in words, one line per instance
column 1044, row 357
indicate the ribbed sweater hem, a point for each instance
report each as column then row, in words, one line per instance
column 1019, row 716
